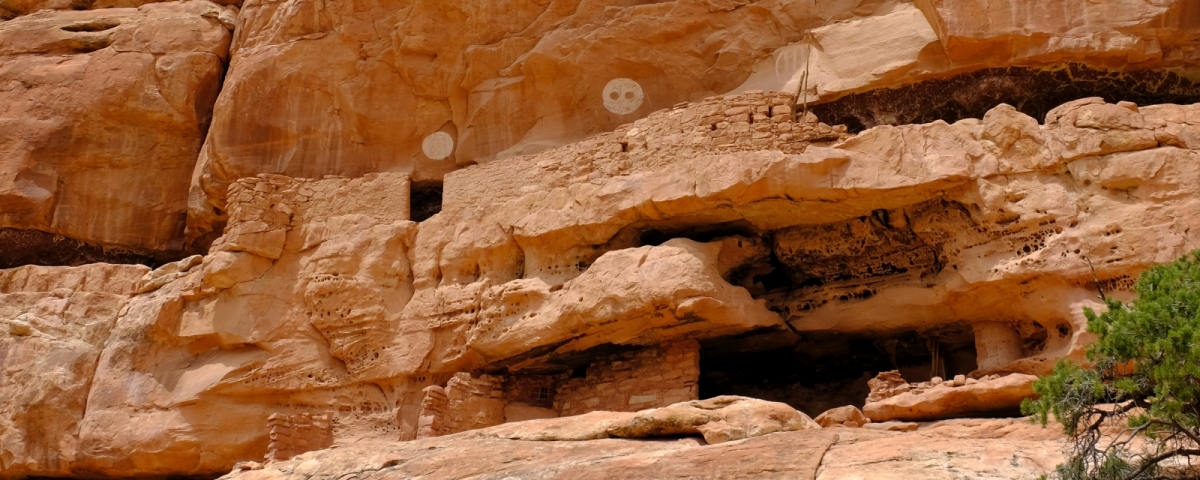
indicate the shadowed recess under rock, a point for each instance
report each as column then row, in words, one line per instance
column 32, row 247
column 824, row 370
column 1033, row 91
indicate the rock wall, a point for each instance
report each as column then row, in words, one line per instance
column 423, row 218
column 465, row 404
column 322, row 299
column 482, row 80
column 295, row 434
column 54, row 322
column 528, row 77
column 648, row 378
column 645, row 378
column 103, row 113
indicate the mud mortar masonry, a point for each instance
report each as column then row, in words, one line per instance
column 530, row 239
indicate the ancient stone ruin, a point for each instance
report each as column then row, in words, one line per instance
column 530, row 239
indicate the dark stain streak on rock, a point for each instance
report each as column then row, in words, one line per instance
column 32, row 247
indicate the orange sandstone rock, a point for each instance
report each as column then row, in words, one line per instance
column 103, row 114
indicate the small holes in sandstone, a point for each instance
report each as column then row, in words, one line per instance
column 1063, row 330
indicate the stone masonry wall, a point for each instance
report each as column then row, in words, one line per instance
column 750, row 121
column 465, row 403
column 647, row 378
column 262, row 209
column 292, row 435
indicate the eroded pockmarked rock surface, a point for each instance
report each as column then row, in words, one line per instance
column 972, row 239
column 102, row 114
column 54, row 322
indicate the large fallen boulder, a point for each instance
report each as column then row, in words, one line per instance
column 719, row 420
column 847, row 416
column 992, row 395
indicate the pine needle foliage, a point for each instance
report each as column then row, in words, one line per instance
column 1136, row 413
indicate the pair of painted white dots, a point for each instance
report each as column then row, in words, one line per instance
column 622, row 96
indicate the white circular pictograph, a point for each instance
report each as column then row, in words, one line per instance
column 438, row 146
column 623, row 96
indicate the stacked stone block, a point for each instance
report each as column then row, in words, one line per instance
column 533, row 390
column 889, row 384
column 465, row 403
column 292, row 435
column 263, row 208
column 647, row 378
column 750, row 121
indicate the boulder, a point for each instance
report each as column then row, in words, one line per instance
column 103, row 114
column 847, row 416
column 54, row 321
column 718, row 420
column 997, row 395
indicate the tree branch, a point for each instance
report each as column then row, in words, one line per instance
column 1152, row 461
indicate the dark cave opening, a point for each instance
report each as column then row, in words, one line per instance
column 425, row 200
column 701, row 234
column 1032, row 91
column 824, row 370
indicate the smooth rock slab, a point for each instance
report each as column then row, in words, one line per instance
column 1000, row 395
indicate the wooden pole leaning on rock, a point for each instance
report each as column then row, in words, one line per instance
column 803, row 87
column 1096, row 279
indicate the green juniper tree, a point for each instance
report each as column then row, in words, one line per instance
column 1139, row 406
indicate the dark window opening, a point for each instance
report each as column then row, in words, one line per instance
column 425, row 200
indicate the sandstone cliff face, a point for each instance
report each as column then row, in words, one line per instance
column 103, row 113
column 320, row 298
column 936, row 39
column 54, row 321
column 535, row 75
column 404, row 230
column 425, row 86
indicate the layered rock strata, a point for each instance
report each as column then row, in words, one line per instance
column 524, row 77
column 322, row 298
column 939, row 39
column 540, row 75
